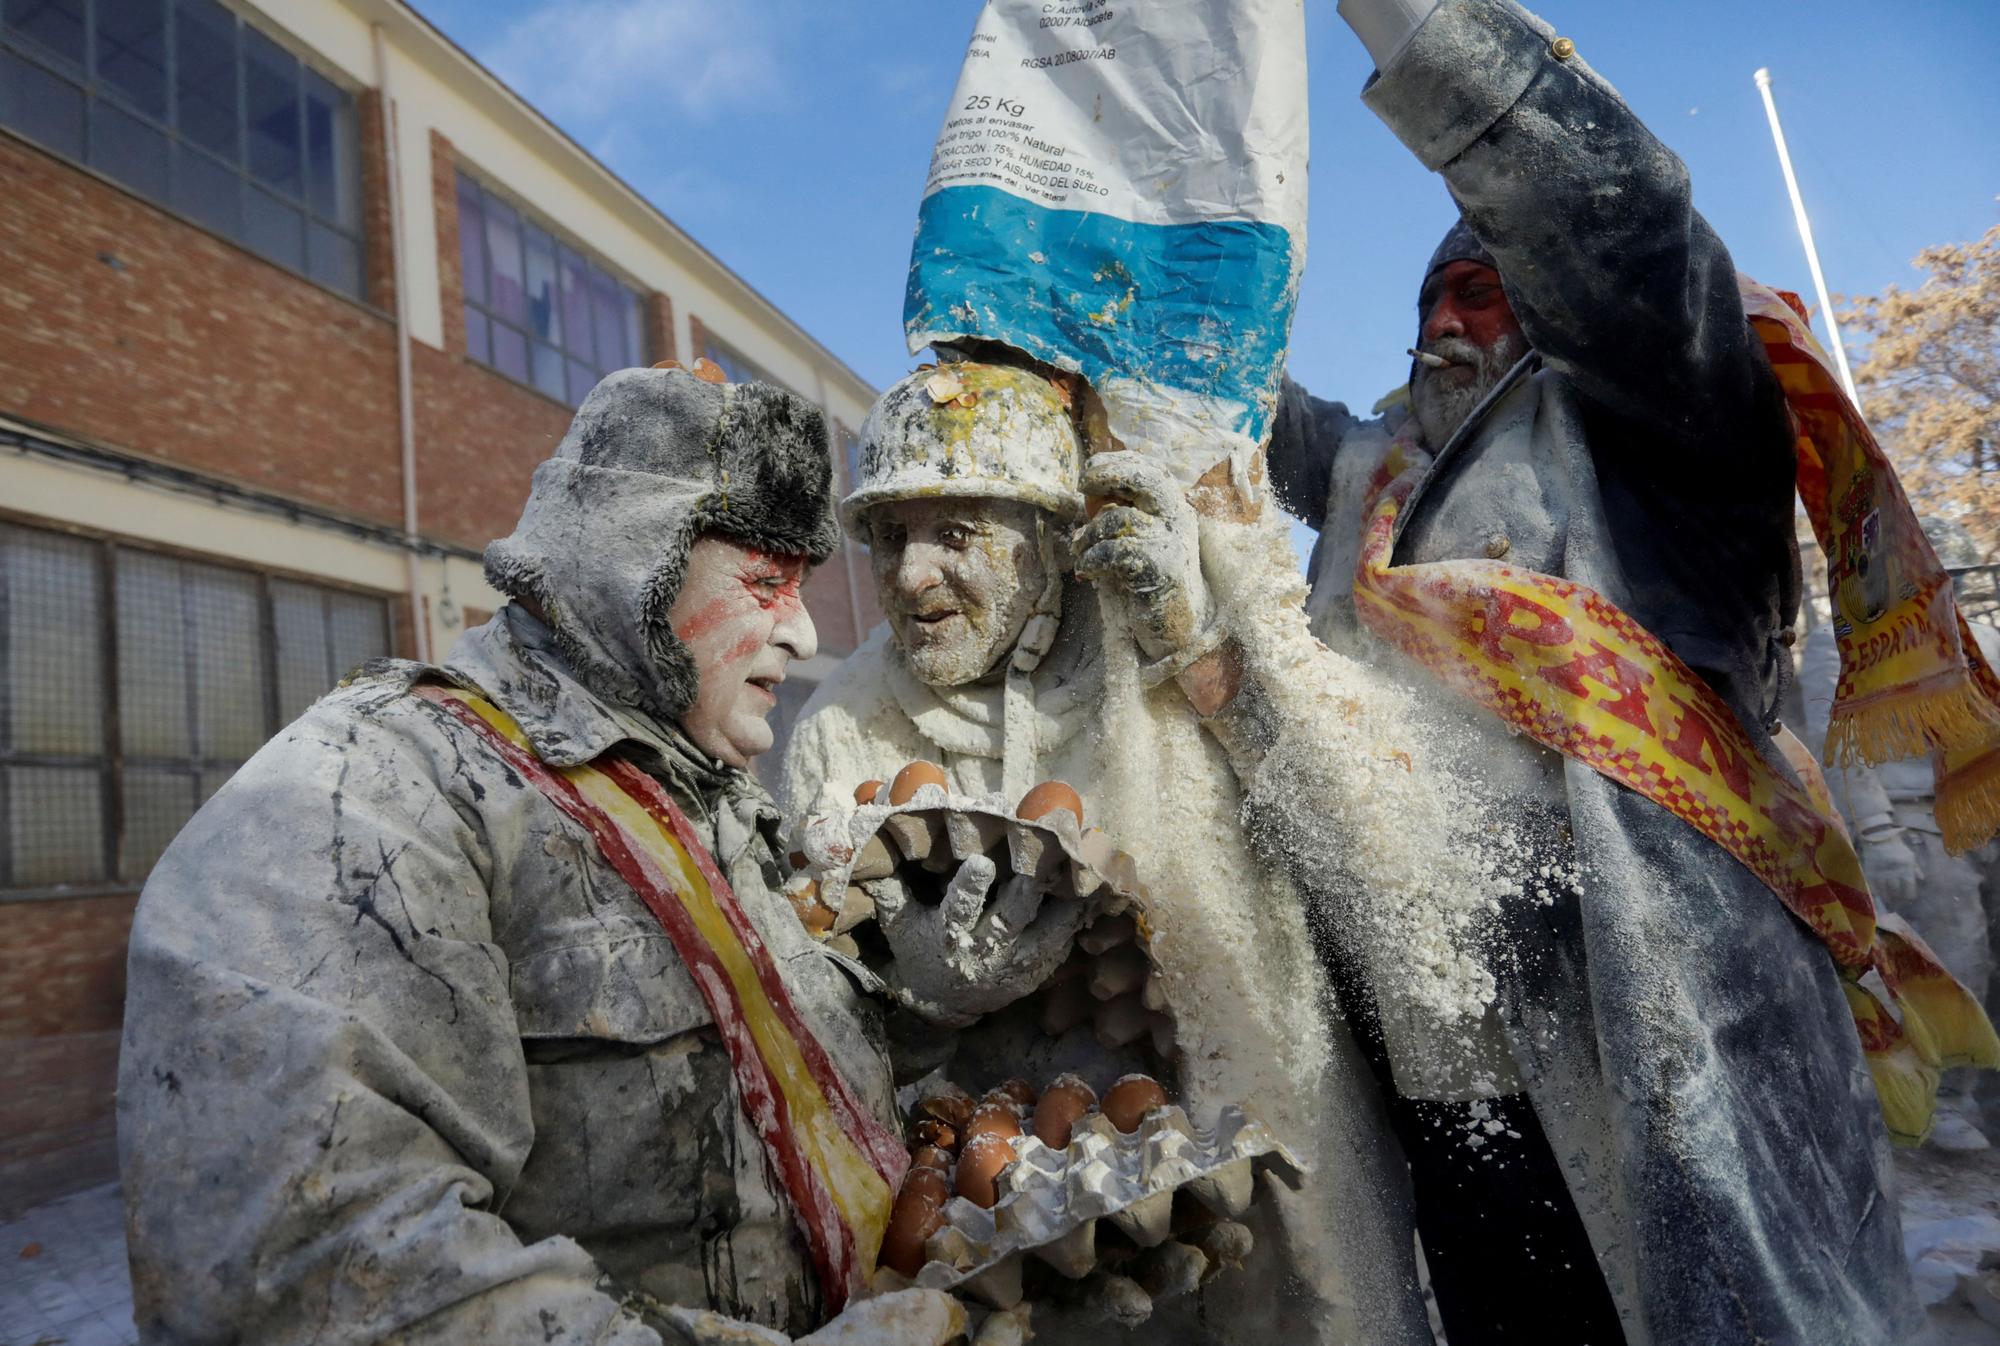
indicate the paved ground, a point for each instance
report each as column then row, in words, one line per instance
column 63, row 1280
column 1951, row 1229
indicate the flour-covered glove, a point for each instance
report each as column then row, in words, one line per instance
column 1146, row 547
column 1891, row 867
column 961, row 958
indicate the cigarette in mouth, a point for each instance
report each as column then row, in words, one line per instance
column 1434, row 361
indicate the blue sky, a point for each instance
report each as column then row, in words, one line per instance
column 791, row 138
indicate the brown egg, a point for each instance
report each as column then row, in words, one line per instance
column 918, row 1212
column 979, row 1168
column 1047, row 797
column 993, row 1119
column 931, row 1156
column 1063, row 1105
column 1017, row 1089
column 931, row 1131
column 914, row 775
column 1127, row 1102
column 929, row 1182
column 950, row 1105
column 865, row 792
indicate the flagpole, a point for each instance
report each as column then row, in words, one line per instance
column 1763, row 78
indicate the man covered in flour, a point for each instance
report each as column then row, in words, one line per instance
column 991, row 664
column 462, row 1012
column 1675, row 1138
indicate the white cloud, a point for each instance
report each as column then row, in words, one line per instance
column 591, row 62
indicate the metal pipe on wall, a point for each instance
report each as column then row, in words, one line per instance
column 405, row 403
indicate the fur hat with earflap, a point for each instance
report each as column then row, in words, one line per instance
column 654, row 459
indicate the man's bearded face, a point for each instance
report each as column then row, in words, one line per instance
column 740, row 613
column 1468, row 321
column 958, row 580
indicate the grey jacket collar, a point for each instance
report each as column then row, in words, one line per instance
column 514, row 660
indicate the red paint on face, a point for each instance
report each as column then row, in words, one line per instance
column 1469, row 303
column 741, row 615
column 770, row 582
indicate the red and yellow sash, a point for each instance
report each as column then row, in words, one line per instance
column 1562, row 664
column 1912, row 680
column 840, row 1166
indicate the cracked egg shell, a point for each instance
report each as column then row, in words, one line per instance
column 1046, row 798
column 950, row 1105
column 913, row 777
column 931, row 1131
column 1002, row 1118
column 1063, row 1105
column 865, row 792
column 980, row 1166
column 1127, row 1102
column 814, row 914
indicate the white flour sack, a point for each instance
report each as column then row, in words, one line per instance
column 1120, row 190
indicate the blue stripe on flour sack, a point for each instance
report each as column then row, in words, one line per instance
column 1205, row 307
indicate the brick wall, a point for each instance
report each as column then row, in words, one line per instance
column 479, row 433
column 62, row 999
column 659, row 327
column 121, row 322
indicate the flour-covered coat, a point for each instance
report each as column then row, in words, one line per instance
column 405, row 1059
column 1229, row 936
column 1684, row 1039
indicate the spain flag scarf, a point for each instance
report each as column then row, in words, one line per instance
column 839, row 1164
column 1562, row 664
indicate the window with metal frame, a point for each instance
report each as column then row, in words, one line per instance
column 133, row 683
column 847, row 450
column 536, row 309
column 739, row 367
column 191, row 106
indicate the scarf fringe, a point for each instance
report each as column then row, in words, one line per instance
column 1906, row 726
column 1906, row 1085
column 1968, row 803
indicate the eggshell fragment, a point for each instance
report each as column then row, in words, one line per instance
column 1127, row 1102
column 995, row 1119
column 1017, row 1090
column 980, row 1166
column 1065, row 1103
column 814, row 914
column 914, row 776
column 931, row 1131
column 949, row 1104
column 865, row 792
column 1046, row 798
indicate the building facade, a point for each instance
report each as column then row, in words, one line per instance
column 296, row 295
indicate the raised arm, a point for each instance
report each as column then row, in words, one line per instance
column 1616, row 279
column 1305, row 436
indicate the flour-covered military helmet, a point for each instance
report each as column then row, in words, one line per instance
column 969, row 430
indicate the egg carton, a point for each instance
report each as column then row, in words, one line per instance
column 938, row 831
column 1051, row 1201
column 1111, row 982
